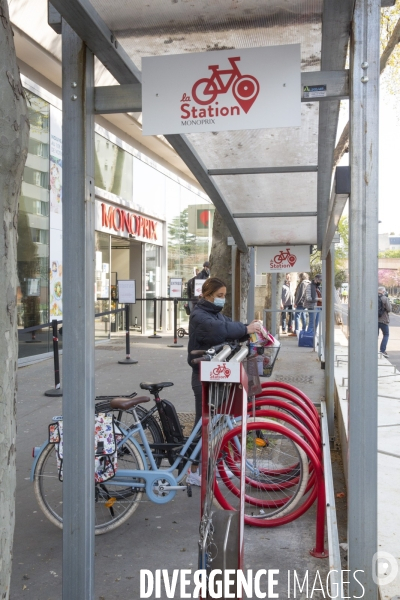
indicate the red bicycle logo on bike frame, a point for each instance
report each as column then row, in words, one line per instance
column 283, row 259
column 245, row 88
column 220, row 372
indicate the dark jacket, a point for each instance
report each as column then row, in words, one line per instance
column 312, row 296
column 388, row 308
column 300, row 293
column 208, row 327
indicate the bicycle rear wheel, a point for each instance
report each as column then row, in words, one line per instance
column 113, row 504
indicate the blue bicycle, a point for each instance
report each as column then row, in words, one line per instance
column 154, row 457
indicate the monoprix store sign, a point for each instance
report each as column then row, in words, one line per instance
column 254, row 88
column 274, row 259
column 122, row 222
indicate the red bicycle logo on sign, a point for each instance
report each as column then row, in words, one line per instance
column 285, row 256
column 245, row 88
column 221, row 370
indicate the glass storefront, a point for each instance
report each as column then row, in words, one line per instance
column 102, row 284
column 113, row 168
column 152, row 283
column 33, row 233
column 189, row 230
column 144, row 186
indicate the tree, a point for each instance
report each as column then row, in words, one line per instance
column 14, row 132
column 390, row 57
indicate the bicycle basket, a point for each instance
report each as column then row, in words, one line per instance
column 266, row 360
column 251, row 367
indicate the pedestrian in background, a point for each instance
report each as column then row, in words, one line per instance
column 384, row 308
column 299, row 302
column 204, row 274
column 287, row 305
column 314, row 301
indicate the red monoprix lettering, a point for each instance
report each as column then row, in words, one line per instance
column 107, row 220
column 117, row 212
column 126, row 221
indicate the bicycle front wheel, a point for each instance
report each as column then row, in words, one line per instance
column 276, row 472
column 113, row 504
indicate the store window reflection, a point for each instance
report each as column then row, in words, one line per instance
column 113, row 168
column 102, row 284
column 152, row 284
column 189, row 238
column 33, row 233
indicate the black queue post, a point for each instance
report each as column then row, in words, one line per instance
column 154, row 320
column 128, row 360
column 175, row 344
column 56, row 391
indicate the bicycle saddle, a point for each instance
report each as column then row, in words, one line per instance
column 155, row 387
column 127, row 403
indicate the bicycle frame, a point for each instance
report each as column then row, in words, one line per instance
column 151, row 475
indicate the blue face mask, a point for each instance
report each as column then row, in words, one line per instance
column 219, row 302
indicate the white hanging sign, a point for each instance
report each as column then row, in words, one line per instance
column 236, row 89
column 126, row 291
column 272, row 259
column 198, row 286
column 175, row 287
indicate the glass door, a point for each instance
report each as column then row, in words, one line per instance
column 152, row 284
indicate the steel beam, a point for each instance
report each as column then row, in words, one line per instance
column 273, row 215
column 258, row 170
column 339, row 196
column 86, row 22
column 78, row 211
column 329, row 295
column 83, row 18
column 336, row 19
column 363, row 310
column 128, row 98
column 53, row 18
column 252, row 285
column 111, row 99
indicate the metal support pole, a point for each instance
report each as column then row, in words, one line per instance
column 233, row 279
column 363, row 278
column 329, row 307
column 274, row 285
column 252, row 286
column 78, row 318
column 154, row 320
column 321, row 320
column 56, row 391
column 175, row 344
column 128, row 360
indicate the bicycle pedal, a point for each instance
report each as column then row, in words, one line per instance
column 189, row 490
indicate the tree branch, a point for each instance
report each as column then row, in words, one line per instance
column 343, row 144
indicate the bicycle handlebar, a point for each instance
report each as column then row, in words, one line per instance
column 196, row 361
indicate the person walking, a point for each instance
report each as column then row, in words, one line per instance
column 204, row 274
column 314, row 301
column 287, row 305
column 384, row 308
column 299, row 302
column 209, row 327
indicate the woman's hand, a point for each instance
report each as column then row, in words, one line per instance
column 254, row 327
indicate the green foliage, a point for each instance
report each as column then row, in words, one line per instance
column 389, row 19
column 178, row 233
column 389, row 254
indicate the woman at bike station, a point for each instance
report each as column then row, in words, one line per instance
column 209, row 327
